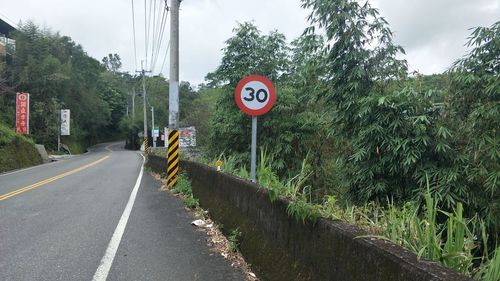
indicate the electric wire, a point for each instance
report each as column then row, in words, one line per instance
column 133, row 29
column 153, row 41
column 155, row 22
column 165, row 58
column 157, row 32
column 160, row 40
column 146, row 39
column 149, row 30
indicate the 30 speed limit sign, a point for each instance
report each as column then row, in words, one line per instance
column 255, row 95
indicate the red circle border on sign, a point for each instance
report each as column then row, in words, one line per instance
column 265, row 81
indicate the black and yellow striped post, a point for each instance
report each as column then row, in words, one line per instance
column 146, row 146
column 173, row 157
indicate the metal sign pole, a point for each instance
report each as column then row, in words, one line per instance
column 253, row 163
column 153, row 131
column 254, row 95
column 59, row 131
column 165, row 136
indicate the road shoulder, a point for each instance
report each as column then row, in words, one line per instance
column 160, row 243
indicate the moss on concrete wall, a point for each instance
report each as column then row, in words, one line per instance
column 280, row 248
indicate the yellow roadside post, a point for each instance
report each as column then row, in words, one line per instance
column 146, row 146
column 172, row 158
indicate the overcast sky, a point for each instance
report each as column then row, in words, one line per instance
column 433, row 32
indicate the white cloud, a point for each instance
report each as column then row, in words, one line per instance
column 433, row 32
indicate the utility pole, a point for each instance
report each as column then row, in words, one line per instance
column 143, row 72
column 128, row 102
column 133, row 103
column 173, row 97
column 153, row 126
column 58, row 130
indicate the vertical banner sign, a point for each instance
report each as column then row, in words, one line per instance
column 172, row 157
column 255, row 95
column 65, row 121
column 23, row 113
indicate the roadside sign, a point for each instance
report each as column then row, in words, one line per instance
column 156, row 132
column 218, row 164
column 23, row 113
column 255, row 95
column 65, row 122
column 187, row 137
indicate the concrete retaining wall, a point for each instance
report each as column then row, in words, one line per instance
column 280, row 248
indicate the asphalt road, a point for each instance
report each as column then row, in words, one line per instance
column 90, row 218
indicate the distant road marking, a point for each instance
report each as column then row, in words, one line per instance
column 46, row 181
column 102, row 271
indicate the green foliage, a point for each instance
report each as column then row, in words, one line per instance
column 234, row 240
column 131, row 129
column 112, row 62
column 59, row 74
column 452, row 243
column 200, row 112
column 491, row 270
column 303, row 211
column 183, row 186
column 191, row 202
column 359, row 52
column 475, row 107
column 248, row 52
column 373, row 137
column 16, row 151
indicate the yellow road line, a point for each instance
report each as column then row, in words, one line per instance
column 49, row 180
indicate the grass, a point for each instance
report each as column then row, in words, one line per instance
column 491, row 270
column 183, row 186
column 234, row 240
column 450, row 240
column 16, row 151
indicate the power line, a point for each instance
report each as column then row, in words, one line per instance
column 156, row 13
column 133, row 27
column 154, row 27
column 146, row 31
column 157, row 26
column 165, row 58
column 160, row 41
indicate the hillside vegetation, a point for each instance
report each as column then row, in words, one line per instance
column 354, row 132
column 16, row 151
column 58, row 74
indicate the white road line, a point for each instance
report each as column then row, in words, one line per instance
column 107, row 260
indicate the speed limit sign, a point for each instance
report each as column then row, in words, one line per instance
column 255, row 95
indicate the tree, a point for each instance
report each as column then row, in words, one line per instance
column 112, row 63
column 58, row 73
column 475, row 105
column 248, row 52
